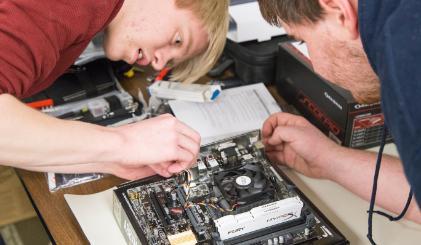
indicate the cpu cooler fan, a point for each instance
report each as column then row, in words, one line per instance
column 244, row 185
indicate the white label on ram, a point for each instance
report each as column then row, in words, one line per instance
column 264, row 216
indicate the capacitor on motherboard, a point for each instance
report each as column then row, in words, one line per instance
column 213, row 199
column 174, row 196
column 288, row 238
column 224, row 204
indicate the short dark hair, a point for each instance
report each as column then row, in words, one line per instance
column 291, row 11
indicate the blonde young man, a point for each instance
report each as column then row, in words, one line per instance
column 41, row 39
column 367, row 47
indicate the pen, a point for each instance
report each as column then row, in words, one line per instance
column 41, row 104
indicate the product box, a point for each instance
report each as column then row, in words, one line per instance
column 331, row 108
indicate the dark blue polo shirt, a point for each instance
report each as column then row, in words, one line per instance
column 391, row 35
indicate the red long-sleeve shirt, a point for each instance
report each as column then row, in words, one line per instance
column 40, row 39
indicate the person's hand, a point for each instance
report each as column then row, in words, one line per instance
column 133, row 173
column 295, row 142
column 162, row 144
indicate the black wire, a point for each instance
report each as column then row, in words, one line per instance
column 374, row 192
column 402, row 214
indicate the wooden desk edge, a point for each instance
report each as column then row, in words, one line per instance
column 53, row 209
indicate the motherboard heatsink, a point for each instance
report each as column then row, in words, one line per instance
column 233, row 195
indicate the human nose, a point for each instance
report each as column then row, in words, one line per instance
column 160, row 60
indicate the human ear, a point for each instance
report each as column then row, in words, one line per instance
column 344, row 14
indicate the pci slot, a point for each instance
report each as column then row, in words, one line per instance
column 160, row 212
column 197, row 226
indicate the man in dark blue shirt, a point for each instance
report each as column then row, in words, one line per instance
column 371, row 48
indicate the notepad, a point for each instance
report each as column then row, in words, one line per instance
column 237, row 110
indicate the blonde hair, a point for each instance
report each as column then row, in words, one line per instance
column 215, row 18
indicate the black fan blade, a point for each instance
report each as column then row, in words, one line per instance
column 243, row 193
column 253, row 168
column 258, row 176
column 228, row 186
column 260, row 184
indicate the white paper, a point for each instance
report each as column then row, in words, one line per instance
column 95, row 216
column 236, row 111
column 250, row 24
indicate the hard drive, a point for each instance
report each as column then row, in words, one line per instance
column 233, row 195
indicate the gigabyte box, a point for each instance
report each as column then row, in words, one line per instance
column 332, row 109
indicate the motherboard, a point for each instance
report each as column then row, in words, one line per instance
column 233, row 195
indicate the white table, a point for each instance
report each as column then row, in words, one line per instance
column 348, row 212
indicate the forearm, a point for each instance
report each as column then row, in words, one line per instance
column 35, row 141
column 354, row 169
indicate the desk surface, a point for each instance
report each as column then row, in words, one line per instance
column 344, row 209
column 53, row 210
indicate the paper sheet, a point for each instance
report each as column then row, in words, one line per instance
column 95, row 216
column 236, row 111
